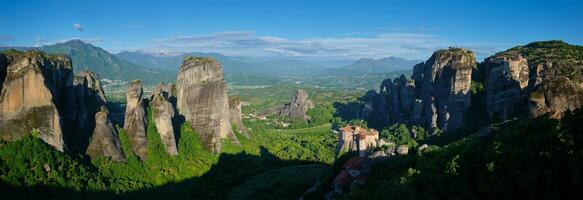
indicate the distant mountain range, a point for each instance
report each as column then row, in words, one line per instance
column 153, row 68
column 275, row 67
column 173, row 62
column 88, row 57
column 372, row 66
column 230, row 64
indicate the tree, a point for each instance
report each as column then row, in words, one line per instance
column 399, row 134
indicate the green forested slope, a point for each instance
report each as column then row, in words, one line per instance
column 530, row 159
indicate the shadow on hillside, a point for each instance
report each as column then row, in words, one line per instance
column 230, row 171
column 348, row 110
column 354, row 111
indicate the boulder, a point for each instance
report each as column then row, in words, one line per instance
column 202, row 100
column 402, row 150
column 105, row 140
column 135, row 120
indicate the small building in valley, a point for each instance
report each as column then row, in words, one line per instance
column 353, row 173
column 355, row 138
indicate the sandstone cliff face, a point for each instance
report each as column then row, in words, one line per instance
column 84, row 99
column 4, row 61
column 369, row 103
column 398, row 99
column 202, row 100
column 32, row 92
column 135, row 120
column 163, row 115
column 235, row 104
column 451, row 75
column 536, row 79
column 438, row 94
column 555, row 96
column 105, row 140
column 506, row 82
column 541, row 78
column 297, row 108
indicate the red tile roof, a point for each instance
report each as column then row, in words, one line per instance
column 361, row 131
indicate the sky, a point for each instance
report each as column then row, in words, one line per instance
column 299, row 29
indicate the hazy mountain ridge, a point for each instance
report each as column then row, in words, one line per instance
column 231, row 64
column 369, row 65
column 85, row 56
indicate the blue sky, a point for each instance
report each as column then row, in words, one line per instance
column 296, row 29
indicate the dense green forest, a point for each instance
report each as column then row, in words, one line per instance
column 527, row 159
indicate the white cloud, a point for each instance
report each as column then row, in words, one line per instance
column 410, row 45
column 78, row 26
column 246, row 43
column 38, row 41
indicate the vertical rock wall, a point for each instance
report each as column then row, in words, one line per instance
column 202, row 100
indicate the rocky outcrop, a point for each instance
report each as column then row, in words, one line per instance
column 88, row 117
column 436, row 96
column 84, row 99
column 105, row 140
column 33, row 95
column 402, row 150
column 297, row 108
column 4, row 61
column 135, row 120
column 398, row 100
column 534, row 80
column 235, row 117
column 202, row 100
column 506, row 82
column 163, row 116
column 541, row 78
column 444, row 87
column 555, row 96
column 166, row 90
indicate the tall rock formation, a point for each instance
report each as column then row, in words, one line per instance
column 438, row 94
column 105, row 140
column 235, row 104
column 163, row 115
column 84, row 99
column 40, row 93
column 33, row 93
column 88, row 116
column 506, row 82
column 444, row 87
column 536, row 79
column 297, row 108
column 202, row 100
column 4, row 61
column 135, row 120
column 540, row 78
